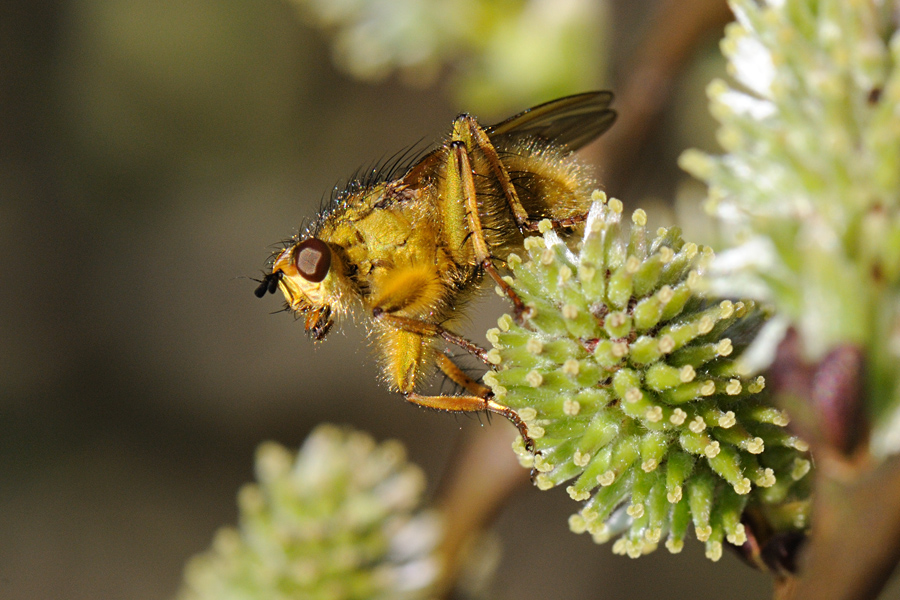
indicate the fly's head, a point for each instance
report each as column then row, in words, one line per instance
column 313, row 280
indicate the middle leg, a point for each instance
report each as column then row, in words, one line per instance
column 409, row 340
column 432, row 330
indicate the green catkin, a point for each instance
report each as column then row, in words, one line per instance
column 809, row 180
column 645, row 350
column 657, row 510
column 630, row 377
column 340, row 519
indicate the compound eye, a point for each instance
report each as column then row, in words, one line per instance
column 313, row 258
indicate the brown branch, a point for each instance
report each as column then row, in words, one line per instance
column 855, row 539
column 678, row 26
column 485, row 473
column 856, row 531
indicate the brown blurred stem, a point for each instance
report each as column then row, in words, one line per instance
column 484, row 474
column 855, row 539
column 856, row 532
column 677, row 28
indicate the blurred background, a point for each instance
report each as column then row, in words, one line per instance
column 152, row 151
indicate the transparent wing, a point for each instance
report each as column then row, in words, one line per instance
column 573, row 121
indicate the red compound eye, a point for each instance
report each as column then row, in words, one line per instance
column 313, row 258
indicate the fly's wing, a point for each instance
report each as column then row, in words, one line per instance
column 426, row 166
column 573, row 121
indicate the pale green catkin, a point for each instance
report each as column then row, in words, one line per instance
column 340, row 520
column 810, row 179
column 628, row 380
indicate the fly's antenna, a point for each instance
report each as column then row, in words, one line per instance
column 269, row 283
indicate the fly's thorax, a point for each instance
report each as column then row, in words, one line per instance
column 395, row 234
column 375, row 221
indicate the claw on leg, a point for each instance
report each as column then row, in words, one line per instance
column 473, row 404
column 479, row 399
column 513, row 416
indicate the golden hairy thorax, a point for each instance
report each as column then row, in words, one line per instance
column 407, row 251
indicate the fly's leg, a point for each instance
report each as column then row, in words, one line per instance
column 463, row 170
column 518, row 306
column 432, row 330
column 405, row 372
column 478, row 138
column 483, row 401
column 467, row 128
column 473, row 404
column 455, row 374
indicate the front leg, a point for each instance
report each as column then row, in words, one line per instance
column 482, row 400
column 462, row 404
column 408, row 345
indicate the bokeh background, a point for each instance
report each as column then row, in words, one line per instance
column 151, row 151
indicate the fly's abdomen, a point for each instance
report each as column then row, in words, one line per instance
column 551, row 182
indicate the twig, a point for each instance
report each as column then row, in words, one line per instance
column 856, row 531
column 678, row 26
column 855, row 539
column 479, row 483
